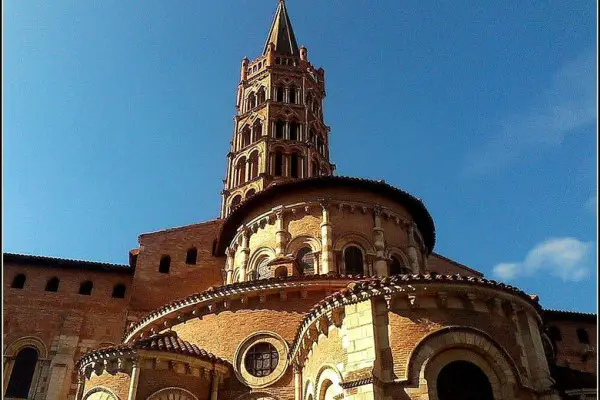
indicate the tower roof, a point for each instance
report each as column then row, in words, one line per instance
column 281, row 33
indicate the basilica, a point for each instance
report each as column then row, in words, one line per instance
column 308, row 286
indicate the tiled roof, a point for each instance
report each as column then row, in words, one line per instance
column 236, row 288
column 414, row 205
column 168, row 342
column 364, row 289
column 42, row 261
column 568, row 315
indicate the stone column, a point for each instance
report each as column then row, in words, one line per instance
column 133, row 383
column 280, row 235
column 411, row 249
column 327, row 261
column 229, row 266
column 297, row 382
column 80, row 386
column 379, row 264
column 244, row 255
column 214, row 386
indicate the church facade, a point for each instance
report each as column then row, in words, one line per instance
column 308, row 286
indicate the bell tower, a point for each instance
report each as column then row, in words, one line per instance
column 279, row 132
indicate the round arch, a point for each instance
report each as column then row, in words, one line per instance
column 354, row 239
column 100, row 393
column 172, row 393
column 456, row 343
column 27, row 341
column 303, row 241
column 258, row 257
column 328, row 383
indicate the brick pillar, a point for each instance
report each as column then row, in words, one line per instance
column 327, row 260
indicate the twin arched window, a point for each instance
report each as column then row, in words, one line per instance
column 22, row 373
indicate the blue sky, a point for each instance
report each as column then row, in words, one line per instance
column 117, row 117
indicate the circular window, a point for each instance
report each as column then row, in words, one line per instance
column 261, row 359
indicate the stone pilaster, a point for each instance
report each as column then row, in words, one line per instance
column 412, row 250
column 280, row 235
column 133, row 383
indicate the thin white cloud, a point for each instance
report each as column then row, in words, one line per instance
column 566, row 258
column 569, row 103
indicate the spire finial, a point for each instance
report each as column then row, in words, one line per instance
column 281, row 33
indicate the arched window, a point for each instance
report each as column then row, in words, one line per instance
column 278, row 163
column 256, row 130
column 236, row 201
column 250, row 193
column 165, row 264
column 279, row 94
column 293, row 95
column 554, row 334
column 241, row 171
column 253, row 165
column 86, row 288
column 262, row 270
column 251, row 101
column 22, row 374
column 320, row 146
column 397, row 267
column 294, row 161
column 191, row 256
column 353, row 259
column 246, row 137
column 582, row 335
column 294, row 130
column 52, row 285
column 279, row 129
column 306, row 261
column 19, row 281
column 260, row 95
column 462, row 380
column 119, row 291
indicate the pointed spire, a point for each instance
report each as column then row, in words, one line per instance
column 282, row 34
